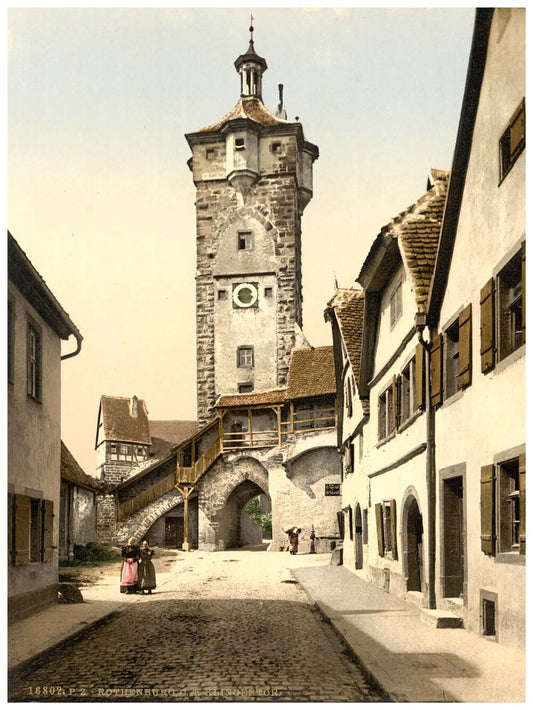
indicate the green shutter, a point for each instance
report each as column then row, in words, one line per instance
column 465, row 348
column 379, row 529
column 436, row 371
column 47, row 538
column 488, row 344
column 522, row 489
column 488, row 539
column 22, row 529
column 393, row 542
column 419, row 376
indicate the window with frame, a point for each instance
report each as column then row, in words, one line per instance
column 30, row 529
column 244, row 241
column 408, row 391
column 451, row 359
column 509, row 297
column 34, row 362
column 386, row 413
column 509, row 513
column 396, row 305
column 245, row 356
column 513, row 140
column 386, row 528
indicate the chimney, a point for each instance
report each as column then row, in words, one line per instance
column 133, row 406
column 281, row 113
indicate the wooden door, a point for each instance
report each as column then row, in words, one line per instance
column 173, row 532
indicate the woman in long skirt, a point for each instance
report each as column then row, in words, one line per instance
column 128, row 574
column 146, row 569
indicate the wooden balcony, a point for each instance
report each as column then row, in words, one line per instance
column 190, row 474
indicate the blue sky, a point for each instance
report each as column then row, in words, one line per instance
column 102, row 201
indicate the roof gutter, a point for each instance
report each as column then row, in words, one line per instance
column 79, row 339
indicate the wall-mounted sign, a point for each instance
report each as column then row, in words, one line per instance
column 333, row 489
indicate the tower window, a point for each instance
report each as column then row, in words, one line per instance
column 239, row 144
column 245, row 356
column 396, row 305
column 269, row 291
column 245, row 387
column 222, row 295
column 210, row 154
column 275, row 147
column 244, row 241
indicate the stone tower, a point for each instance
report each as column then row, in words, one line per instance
column 253, row 176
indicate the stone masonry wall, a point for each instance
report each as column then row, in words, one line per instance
column 273, row 201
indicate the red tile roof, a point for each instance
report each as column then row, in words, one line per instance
column 252, row 108
column 73, row 472
column 349, row 307
column 166, row 435
column 120, row 425
column 311, row 373
column 249, row 399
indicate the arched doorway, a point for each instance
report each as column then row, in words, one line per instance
column 358, row 538
column 237, row 528
column 413, row 544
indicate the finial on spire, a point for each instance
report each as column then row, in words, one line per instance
column 251, row 27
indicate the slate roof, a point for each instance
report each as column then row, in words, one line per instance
column 349, row 307
column 252, row 108
column 73, row 472
column 249, row 399
column 120, row 425
column 311, row 372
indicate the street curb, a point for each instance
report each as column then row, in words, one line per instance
column 388, row 695
column 35, row 660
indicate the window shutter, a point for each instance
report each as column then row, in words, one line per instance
column 522, row 489
column 22, row 529
column 487, row 327
column 465, row 348
column 379, row 528
column 419, row 376
column 395, row 401
column 436, row 371
column 487, row 510
column 47, row 537
column 523, row 292
column 393, row 543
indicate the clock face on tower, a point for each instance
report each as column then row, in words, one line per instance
column 245, row 295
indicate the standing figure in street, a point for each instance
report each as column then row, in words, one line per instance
column 128, row 574
column 293, row 540
column 146, row 569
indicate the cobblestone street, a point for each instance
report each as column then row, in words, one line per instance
column 228, row 626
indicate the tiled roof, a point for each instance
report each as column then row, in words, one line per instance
column 249, row 399
column 311, row 372
column 167, row 434
column 349, row 306
column 417, row 231
column 73, row 472
column 120, row 425
column 252, row 108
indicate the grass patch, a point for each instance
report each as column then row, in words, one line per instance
column 92, row 554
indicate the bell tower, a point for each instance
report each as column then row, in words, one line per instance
column 253, row 175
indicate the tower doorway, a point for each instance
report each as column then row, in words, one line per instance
column 414, row 547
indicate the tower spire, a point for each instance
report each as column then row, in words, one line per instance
column 251, row 67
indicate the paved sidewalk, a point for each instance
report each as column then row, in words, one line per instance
column 411, row 661
column 41, row 632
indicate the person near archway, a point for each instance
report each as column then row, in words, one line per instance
column 128, row 574
column 146, row 569
column 293, row 540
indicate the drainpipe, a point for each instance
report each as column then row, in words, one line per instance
column 430, row 463
column 79, row 338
